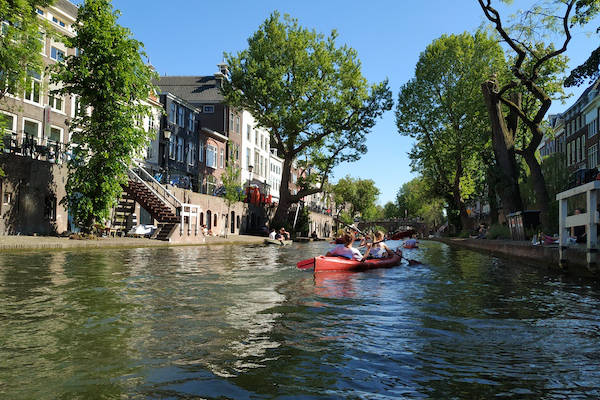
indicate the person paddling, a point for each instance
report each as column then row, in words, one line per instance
column 379, row 249
column 346, row 250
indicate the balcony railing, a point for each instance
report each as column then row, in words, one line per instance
column 44, row 149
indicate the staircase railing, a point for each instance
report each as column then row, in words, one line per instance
column 139, row 174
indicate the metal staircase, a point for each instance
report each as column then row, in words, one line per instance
column 154, row 198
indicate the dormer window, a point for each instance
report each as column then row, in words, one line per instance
column 59, row 22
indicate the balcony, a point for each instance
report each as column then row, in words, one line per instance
column 43, row 149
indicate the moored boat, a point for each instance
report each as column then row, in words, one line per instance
column 403, row 234
column 278, row 242
column 323, row 263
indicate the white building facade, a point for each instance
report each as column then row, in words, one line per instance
column 255, row 153
column 275, row 172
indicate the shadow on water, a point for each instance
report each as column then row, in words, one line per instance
column 244, row 323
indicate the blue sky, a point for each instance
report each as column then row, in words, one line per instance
column 188, row 37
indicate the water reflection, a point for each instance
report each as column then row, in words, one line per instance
column 243, row 322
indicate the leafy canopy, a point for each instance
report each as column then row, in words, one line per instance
column 309, row 93
column 442, row 109
column 358, row 197
column 231, row 183
column 110, row 80
column 20, row 48
column 20, row 43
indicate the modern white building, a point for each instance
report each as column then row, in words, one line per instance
column 255, row 153
column 275, row 172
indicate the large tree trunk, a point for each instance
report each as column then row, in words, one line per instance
column 539, row 188
column 465, row 221
column 504, row 150
column 492, row 201
column 281, row 214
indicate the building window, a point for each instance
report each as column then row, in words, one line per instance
column 201, row 152
column 256, row 162
column 181, row 117
column 42, row 39
column 211, row 156
column 41, row 12
column 209, row 109
column 231, row 121
column 172, row 113
column 31, row 128
column 593, row 156
column 222, row 159
column 191, row 121
column 249, row 132
column 75, row 106
column 33, row 88
column 7, row 198
column 256, row 139
column 247, row 157
column 57, row 54
column 215, row 220
column 237, row 124
column 50, row 208
column 172, row 148
column 180, row 149
column 59, row 22
column 56, row 102
column 56, row 134
column 10, row 122
column 191, row 153
column 150, row 150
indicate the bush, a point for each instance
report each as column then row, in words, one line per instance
column 464, row 234
column 498, row 231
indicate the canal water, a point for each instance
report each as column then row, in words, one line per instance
column 244, row 323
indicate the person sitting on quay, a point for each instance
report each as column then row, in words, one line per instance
column 272, row 234
column 314, row 235
column 283, row 234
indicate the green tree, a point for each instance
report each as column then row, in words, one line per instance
column 417, row 199
column 441, row 109
column 109, row 78
column 527, row 96
column 20, row 44
column 590, row 69
column 391, row 210
column 358, row 198
column 232, row 186
column 20, row 48
column 311, row 96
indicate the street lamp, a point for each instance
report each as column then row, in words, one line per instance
column 167, row 136
column 250, row 169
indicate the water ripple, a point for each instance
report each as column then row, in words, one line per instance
column 243, row 322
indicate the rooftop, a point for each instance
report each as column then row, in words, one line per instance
column 193, row 89
column 67, row 6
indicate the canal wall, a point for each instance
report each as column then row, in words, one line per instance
column 30, row 194
column 32, row 243
column 525, row 252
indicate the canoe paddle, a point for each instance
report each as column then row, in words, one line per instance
column 306, row 264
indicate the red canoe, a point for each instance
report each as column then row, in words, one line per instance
column 323, row 263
